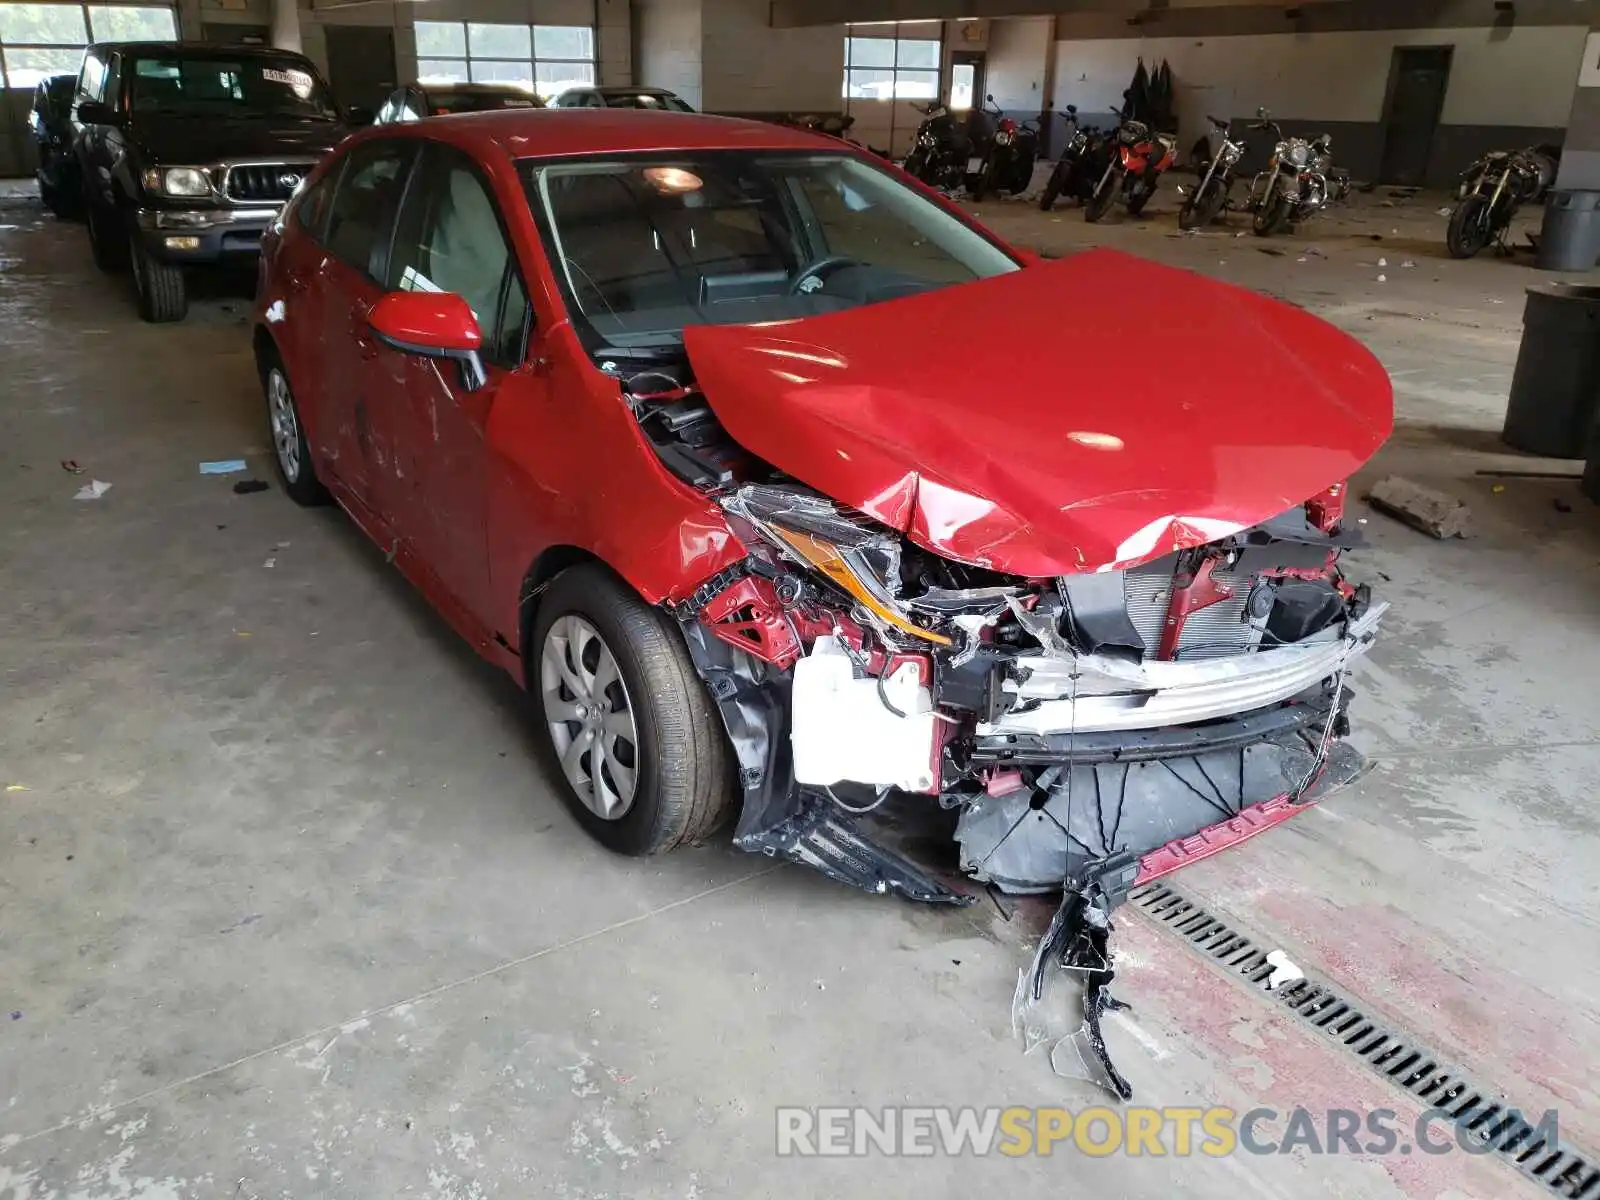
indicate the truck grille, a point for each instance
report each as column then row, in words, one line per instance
column 1213, row 632
column 270, row 183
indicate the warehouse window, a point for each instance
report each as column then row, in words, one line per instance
column 543, row 58
column 40, row 40
column 892, row 62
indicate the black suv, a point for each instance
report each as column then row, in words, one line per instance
column 50, row 124
column 187, row 152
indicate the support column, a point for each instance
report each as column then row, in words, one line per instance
column 286, row 25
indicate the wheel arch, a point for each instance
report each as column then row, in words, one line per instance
column 552, row 561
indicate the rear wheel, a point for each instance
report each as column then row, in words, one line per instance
column 288, row 435
column 983, row 182
column 1105, row 194
column 642, row 752
column 159, row 285
column 1469, row 230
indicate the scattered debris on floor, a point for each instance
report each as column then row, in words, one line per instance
column 1077, row 942
column 1272, row 250
column 1383, row 279
column 245, row 486
column 1445, row 212
column 92, row 490
column 223, row 466
column 1562, row 505
column 71, row 467
column 1383, row 262
column 16, row 787
column 1284, row 972
column 1433, row 512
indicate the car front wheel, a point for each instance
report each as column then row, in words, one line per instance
column 644, row 760
column 159, row 285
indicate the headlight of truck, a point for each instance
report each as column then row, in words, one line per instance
column 177, row 181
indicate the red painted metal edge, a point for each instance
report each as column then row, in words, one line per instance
column 1258, row 818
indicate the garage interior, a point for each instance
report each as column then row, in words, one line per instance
column 289, row 906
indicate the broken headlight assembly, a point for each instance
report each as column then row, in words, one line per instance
column 850, row 552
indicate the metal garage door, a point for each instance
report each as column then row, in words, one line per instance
column 42, row 39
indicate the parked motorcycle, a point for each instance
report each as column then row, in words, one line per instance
column 1491, row 192
column 1006, row 164
column 835, row 125
column 1138, row 160
column 1299, row 181
column 941, row 156
column 1207, row 201
column 1081, row 164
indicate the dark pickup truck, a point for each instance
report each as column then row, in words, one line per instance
column 187, row 152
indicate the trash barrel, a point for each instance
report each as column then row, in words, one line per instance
column 1556, row 389
column 1570, row 238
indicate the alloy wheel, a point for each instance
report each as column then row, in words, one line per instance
column 590, row 717
column 285, row 428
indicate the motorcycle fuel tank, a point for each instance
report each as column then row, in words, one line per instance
column 1085, row 414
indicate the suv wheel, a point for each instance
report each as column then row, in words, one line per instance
column 162, row 296
column 289, row 447
column 644, row 758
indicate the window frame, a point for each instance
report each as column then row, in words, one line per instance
column 854, row 33
column 533, row 61
column 410, row 147
column 435, row 156
column 90, row 36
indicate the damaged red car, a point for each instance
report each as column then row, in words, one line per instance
column 758, row 465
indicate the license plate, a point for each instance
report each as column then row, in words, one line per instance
column 974, row 165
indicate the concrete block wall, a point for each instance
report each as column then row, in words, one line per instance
column 1508, row 86
column 667, row 46
column 747, row 66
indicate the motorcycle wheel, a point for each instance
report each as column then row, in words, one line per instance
column 1202, row 208
column 1051, row 193
column 1469, row 227
column 1099, row 204
column 1138, row 196
column 1272, row 217
column 916, row 164
column 983, row 183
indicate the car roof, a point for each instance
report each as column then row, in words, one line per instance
column 195, row 49
column 486, row 89
column 617, row 89
column 559, row 132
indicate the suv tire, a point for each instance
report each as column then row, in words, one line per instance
column 159, row 285
column 681, row 761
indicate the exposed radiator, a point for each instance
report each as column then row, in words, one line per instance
column 1213, row 632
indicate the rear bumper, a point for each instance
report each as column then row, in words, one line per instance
column 203, row 235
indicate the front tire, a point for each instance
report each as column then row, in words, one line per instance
column 643, row 756
column 1138, row 196
column 1051, row 193
column 1104, row 196
column 1202, row 208
column 1272, row 217
column 1469, row 227
column 291, row 452
column 159, row 286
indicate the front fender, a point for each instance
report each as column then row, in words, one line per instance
column 570, row 467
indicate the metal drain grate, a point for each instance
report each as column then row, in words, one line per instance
column 1399, row 1058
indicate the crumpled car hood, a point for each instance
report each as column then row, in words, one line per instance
column 1086, row 414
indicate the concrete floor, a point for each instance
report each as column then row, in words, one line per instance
column 288, row 909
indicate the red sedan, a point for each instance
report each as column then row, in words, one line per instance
column 786, row 488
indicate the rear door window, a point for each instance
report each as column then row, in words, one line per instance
column 361, row 215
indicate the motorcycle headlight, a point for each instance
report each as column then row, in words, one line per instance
column 177, row 181
column 1299, row 154
column 1232, row 153
column 1002, row 139
column 846, row 549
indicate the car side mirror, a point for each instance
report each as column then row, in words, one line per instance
column 93, row 112
column 358, row 114
column 432, row 325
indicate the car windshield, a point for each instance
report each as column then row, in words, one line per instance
column 644, row 246
column 222, row 85
column 660, row 100
column 445, row 101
